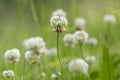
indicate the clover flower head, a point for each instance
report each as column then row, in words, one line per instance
column 92, row 41
column 59, row 12
column 81, row 36
column 58, row 23
column 110, row 19
column 69, row 40
column 12, row 56
column 79, row 23
column 90, row 59
column 34, row 43
column 8, row 73
column 78, row 65
column 32, row 57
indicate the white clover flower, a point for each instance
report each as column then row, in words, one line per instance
column 32, row 57
column 8, row 73
column 58, row 23
column 90, row 59
column 79, row 23
column 59, row 12
column 55, row 76
column 69, row 40
column 81, row 36
column 50, row 52
column 78, row 65
column 12, row 56
column 109, row 18
column 92, row 41
column 34, row 43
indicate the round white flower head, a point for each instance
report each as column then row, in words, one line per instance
column 79, row 23
column 110, row 19
column 81, row 36
column 78, row 65
column 32, row 57
column 59, row 12
column 69, row 40
column 12, row 56
column 92, row 41
column 8, row 73
column 90, row 59
column 34, row 43
column 58, row 23
column 50, row 52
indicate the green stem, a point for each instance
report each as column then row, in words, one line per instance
column 23, row 76
column 58, row 55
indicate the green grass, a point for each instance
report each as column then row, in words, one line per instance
column 21, row 19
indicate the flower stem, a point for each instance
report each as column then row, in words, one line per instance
column 23, row 76
column 58, row 55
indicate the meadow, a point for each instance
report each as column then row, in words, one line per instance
column 25, row 19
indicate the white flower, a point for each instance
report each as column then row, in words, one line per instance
column 78, row 65
column 58, row 23
column 8, row 73
column 81, row 36
column 109, row 18
column 69, row 40
column 12, row 56
column 55, row 76
column 50, row 52
column 32, row 57
column 34, row 43
column 59, row 12
column 92, row 41
column 90, row 59
column 79, row 23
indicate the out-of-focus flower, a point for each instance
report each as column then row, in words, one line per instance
column 110, row 19
column 79, row 23
column 59, row 12
column 12, row 56
column 90, row 59
column 92, row 41
column 34, row 43
column 78, row 65
column 69, row 40
column 81, row 37
column 8, row 73
column 58, row 23
column 55, row 76
column 50, row 52
column 32, row 57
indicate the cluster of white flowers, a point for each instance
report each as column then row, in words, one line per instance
column 55, row 76
column 110, row 19
column 58, row 21
column 92, row 41
column 69, row 40
column 34, row 43
column 79, row 23
column 8, row 73
column 81, row 36
column 90, row 59
column 32, row 57
column 34, row 47
column 12, row 56
column 78, row 65
column 50, row 52
column 59, row 12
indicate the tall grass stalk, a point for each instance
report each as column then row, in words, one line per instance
column 81, row 51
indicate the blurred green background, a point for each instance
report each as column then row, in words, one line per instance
column 21, row 19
